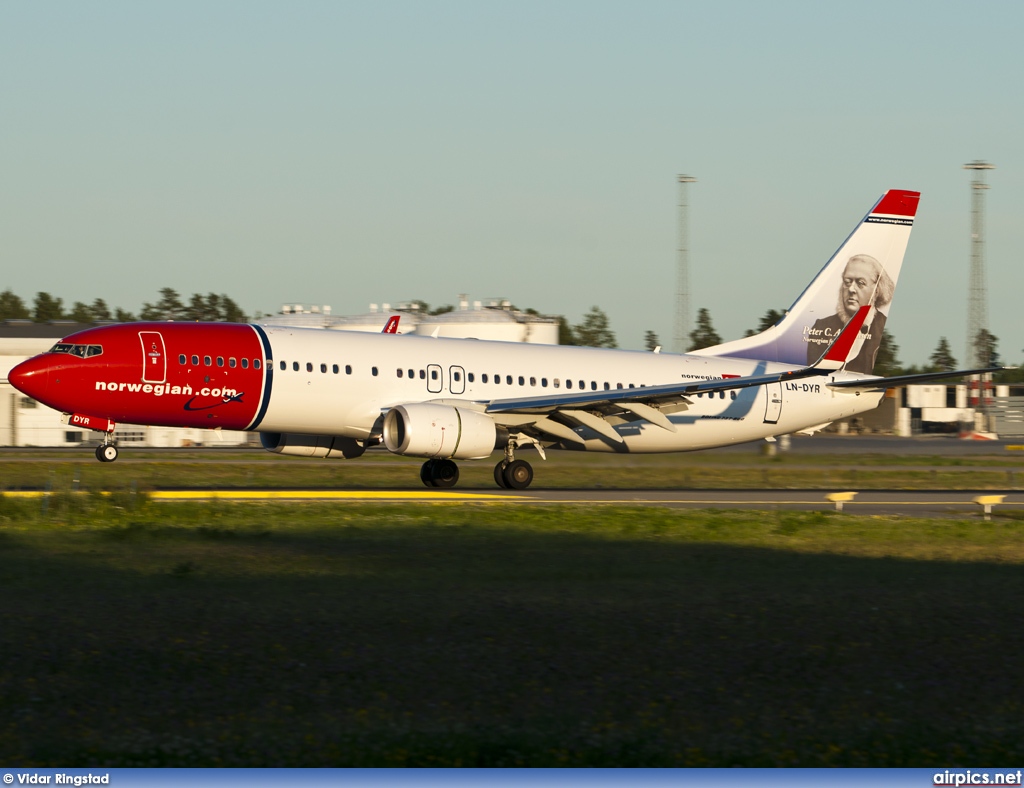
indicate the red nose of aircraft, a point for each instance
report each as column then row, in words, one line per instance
column 31, row 377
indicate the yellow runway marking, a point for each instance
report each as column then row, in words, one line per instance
column 319, row 495
column 313, row 495
column 438, row 496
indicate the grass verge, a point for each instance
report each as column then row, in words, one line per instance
column 420, row 635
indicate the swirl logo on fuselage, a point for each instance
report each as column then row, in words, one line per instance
column 230, row 398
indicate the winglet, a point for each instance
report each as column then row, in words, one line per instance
column 392, row 325
column 845, row 345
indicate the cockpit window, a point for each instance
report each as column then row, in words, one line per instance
column 82, row 351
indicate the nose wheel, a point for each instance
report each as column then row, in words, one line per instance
column 106, row 452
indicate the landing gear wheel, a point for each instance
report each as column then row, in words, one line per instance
column 518, row 475
column 427, row 473
column 499, row 475
column 106, row 452
column 445, row 473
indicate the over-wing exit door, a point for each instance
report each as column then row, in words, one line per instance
column 773, row 409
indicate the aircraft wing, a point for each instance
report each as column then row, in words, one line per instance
column 874, row 384
column 558, row 414
column 652, row 395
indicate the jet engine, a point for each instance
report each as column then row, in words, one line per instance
column 333, row 447
column 439, row 431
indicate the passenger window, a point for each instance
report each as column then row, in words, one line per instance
column 284, row 365
column 469, row 375
column 606, row 386
column 508, row 379
column 181, row 359
column 543, row 383
column 521, row 381
column 732, row 395
column 412, row 374
column 207, row 361
column 618, row 385
column 309, row 367
column 334, row 369
column 295, row 366
column 457, row 377
column 593, row 385
column 348, row 369
column 423, row 375
column 433, row 374
column 232, row 362
column 400, row 373
column 323, row 369
column 373, row 371
column 533, row 381
column 583, row 385
column 256, row 363
column 220, row 361
column 568, row 384
column 483, row 378
column 557, row 383
column 245, row 363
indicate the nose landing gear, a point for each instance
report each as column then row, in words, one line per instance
column 106, row 452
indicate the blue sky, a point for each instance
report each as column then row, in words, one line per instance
column 348, row 153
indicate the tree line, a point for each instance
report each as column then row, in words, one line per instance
column 594, row 330
column 170, row 306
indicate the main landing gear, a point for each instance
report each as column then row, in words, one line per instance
column 439, row 473
column 515, row 475
column 509, row 474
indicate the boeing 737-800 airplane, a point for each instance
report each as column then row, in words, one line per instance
column 317, row 393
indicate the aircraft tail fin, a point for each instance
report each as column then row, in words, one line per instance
column 862, row 272
column 391, row 327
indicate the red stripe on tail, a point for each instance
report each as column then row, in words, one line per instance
column 898, row 203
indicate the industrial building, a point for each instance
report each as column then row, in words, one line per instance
column 493, row 319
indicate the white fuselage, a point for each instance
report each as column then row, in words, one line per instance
column 340, row 383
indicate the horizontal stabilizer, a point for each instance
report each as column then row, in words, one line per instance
column 905, row 380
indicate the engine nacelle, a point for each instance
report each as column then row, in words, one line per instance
column 333, row 447
column 439, row 431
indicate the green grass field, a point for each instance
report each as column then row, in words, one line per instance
column 146, row 470
column 137, row 634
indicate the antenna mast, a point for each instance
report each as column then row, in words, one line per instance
column 977, row 295
column 682, row 327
